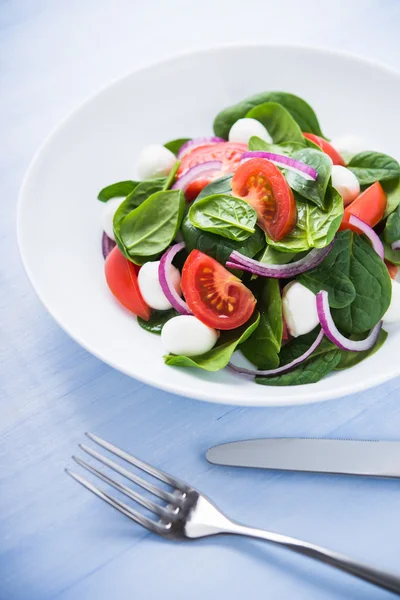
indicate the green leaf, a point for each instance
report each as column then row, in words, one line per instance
column 354, row 257
column 224, row 215
column 391, row 232
column 272, row 256
column 350, row 359
column 301, row 112
column 218, row 357
column 222, row 185
column 117, row 190
column 218, row 247
column 144, row 190
column 151, row 227
column 392, row 191
column 256, row 144
column 263, row 346
column 391, row 255
column 172, row 175
column 175, row 145
column 315, row 191
column 278, row 122
column 157, row 320
column 341, row 291
column 315, row 227
column 369, row 167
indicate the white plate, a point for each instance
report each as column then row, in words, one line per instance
column 59, row 228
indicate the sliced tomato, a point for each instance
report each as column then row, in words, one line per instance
column 262, row 185
column 121, row 276
column 369, row 206
column 393, row 269
column 213, row 294
column 229, row 153
column 326, row 147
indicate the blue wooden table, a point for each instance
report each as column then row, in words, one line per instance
column 56, row 539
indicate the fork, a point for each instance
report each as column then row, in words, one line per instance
column 187, row 514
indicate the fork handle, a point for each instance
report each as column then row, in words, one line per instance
column 378, row 577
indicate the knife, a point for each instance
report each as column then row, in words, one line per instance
column 343, row 457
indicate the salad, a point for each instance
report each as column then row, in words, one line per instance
column 266, row 248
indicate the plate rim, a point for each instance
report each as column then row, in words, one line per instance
column 291, row 399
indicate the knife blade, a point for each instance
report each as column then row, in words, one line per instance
column 342, row 457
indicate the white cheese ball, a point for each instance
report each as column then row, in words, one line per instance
column 244, row 129
column 150, row 288
column 349, row 145
column 109, row 210
column 392, row 314
column 299, row 308
column 155, row 161
column 346, row 183
column 187, row 335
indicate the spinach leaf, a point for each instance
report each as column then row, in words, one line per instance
column 263, row 346
column 224, row 215
column 117, row 190
column 157, row 320
column 322, row 361
column 175, row 145
column 273, row 256
column 349, row 359
column 256, row 144
column 314, row 191
column 369, row 167
column 151, row 227
column 301, row 112
column 391, row 255
column 392, row 191
column 218, row 247
column 218, row 357
column 172, row 175
column 391, row 232
column 315, row 227
column 341, row 291
column 222, row 185
column 354, row 257
column 278, row 122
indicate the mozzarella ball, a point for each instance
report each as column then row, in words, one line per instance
column 109, row 211
column 392, row 314
column 150, row 288
column 188, row 336
column 299, row 308
column 348, row 145
column 346, row 183
column 155, row 161
column 244, row 129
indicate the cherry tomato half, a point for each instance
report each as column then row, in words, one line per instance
column 213, row 294
column 121, row 276
column 326, row 147
column 229, row 153
column 262, row 185
column 369, row 206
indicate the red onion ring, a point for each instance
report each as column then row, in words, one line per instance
column 370, row 233
column 396, row 245
column 163, row 275
column 211, row 167
column 313, row 259
column 285, row 161
column 332, row 332
column 107, row 244
column 196, row 142
column 285, row 368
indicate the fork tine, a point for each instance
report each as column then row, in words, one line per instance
column 120, row 506
column 152, row 506
column 153, row 489
column 161, row 475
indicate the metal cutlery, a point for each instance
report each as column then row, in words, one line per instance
column 187, row 514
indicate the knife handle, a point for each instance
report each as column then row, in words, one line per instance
column 378, row 577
